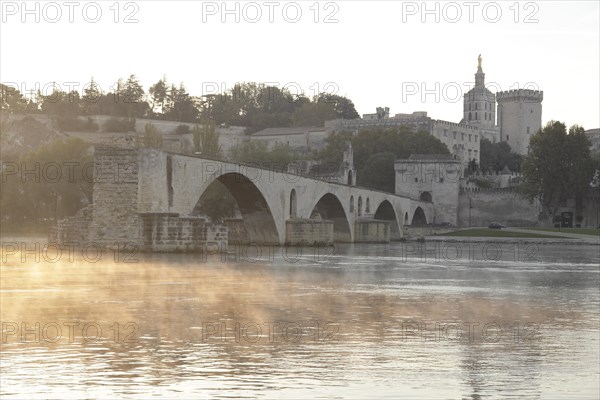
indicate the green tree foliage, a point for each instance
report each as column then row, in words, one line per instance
column 158, row 96
column 182, row 129
column 342, row 106
column 400, row 141
column 132, row 102
column 206, row 139
column 180, row 105
column 11, row 100
column 258, row 106
column 60, row 103
column 495, row 156
column 60, row 184
column 90, row 101
column 379, row 172
column 257, row 152
column 313, row 114
column 152, row 137
column 558, row 166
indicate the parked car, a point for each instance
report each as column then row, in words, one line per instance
column 496, row 225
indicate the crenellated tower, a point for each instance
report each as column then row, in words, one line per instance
column 519, row 117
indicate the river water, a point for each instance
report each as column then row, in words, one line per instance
column 363, row 321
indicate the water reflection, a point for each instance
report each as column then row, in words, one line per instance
column 369, row 321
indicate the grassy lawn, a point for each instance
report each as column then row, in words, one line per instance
column 581, row 231
column 486, row 232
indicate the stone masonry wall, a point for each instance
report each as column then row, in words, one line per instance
column 308, row 231
column 114, row 216
column 496, row 205
column 73, row 230
column 371, row 231
column 171, row 233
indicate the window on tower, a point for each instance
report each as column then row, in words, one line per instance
column 476, row 113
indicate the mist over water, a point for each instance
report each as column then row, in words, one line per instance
column 369, row 321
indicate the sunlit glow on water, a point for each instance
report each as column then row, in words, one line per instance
column 364, row 323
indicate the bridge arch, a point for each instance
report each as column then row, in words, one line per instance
column 385, row 211
column 252, row 204
column 329, row 207
column 419, row 218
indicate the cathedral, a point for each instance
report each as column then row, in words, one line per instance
column 518, row 115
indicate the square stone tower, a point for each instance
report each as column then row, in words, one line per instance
column 519, row 117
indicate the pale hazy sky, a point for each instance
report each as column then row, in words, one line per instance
column 378, row 53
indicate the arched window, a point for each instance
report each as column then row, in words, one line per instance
column 351, row 203
column 350, row 178
column 368, row 207
column 426, row 196
column 359, row 206
column 293, row 203
column 475, row 114
column 470, row 116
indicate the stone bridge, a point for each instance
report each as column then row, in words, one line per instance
column 139, row 190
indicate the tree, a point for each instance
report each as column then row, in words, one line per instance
column 60, row 103
column 558, row 166
column 343, row 107
column 180, row 106
column 158, row 94
column 257, row 152
column 495, row 156
column 11, row 100
column 378, row 173
column 60, row 188
column 128, row 99
column 152, row 137
column 401, row 142
column 90, row 101
column 206, row 139
column 314, row 114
